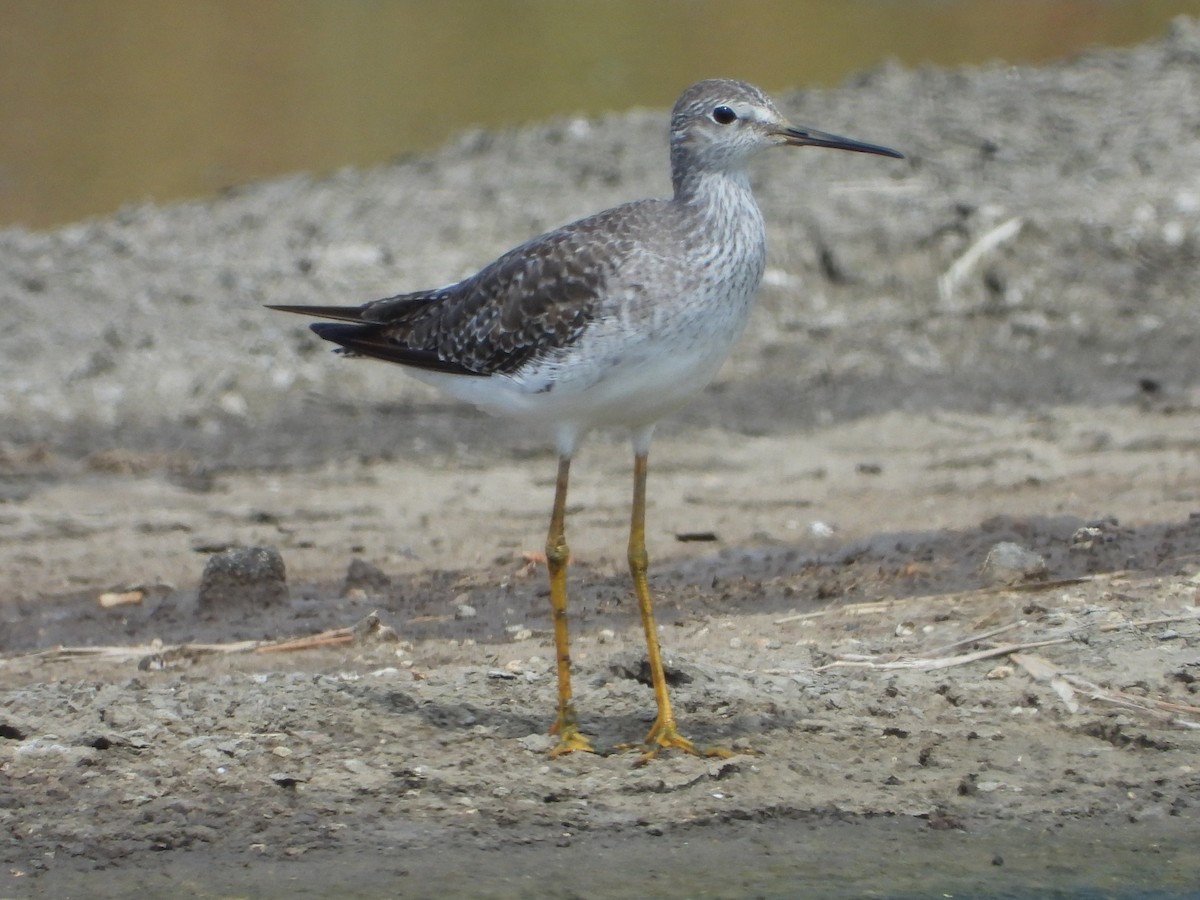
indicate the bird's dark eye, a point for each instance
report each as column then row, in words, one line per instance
column 723, row 115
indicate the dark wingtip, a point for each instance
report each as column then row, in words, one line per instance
column 334, row 331
column 341, row 313
column 364, row 340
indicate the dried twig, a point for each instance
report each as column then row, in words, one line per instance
column 157, row 655
column 954, row 276
column 877, row 606
column 802, row 617
column 1145, row 623
column 975, row 638
column 121, row 654
column 1065, row 684
column 331, row 638
column 943, row 662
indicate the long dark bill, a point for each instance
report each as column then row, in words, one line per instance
column 810, row 137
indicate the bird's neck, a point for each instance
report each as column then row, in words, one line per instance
column 722, row 199
column 713, row 187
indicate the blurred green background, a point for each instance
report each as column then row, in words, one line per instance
column 104, row 102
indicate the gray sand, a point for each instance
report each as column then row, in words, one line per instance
column 901, row 403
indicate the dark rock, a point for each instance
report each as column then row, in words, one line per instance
column 247, row 576
column 362, row 576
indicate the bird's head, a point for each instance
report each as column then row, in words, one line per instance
column 720, row 123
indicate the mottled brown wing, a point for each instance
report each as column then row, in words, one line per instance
column 534, row 299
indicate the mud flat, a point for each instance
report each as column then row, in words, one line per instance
column 997, row 343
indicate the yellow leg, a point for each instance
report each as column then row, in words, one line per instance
column 558, row 554
column 664, row 733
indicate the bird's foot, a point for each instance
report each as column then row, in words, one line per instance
column 664, row 735
column 570, row 740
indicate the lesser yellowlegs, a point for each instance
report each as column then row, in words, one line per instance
column 616, row 319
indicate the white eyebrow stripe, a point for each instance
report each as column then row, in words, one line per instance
column 748, row 112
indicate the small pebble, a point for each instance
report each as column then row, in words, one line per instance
column 1009, row 563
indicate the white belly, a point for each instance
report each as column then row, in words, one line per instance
column 661, row 332
column 635, row 387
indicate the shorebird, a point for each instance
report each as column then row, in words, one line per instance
column 614, row 320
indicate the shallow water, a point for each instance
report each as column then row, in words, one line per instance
column 807, row 857
column 106, row 104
